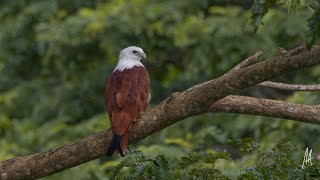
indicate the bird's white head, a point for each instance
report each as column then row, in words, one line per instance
column 130, row 57
column 132, row 53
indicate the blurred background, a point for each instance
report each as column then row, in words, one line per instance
column 55, row 56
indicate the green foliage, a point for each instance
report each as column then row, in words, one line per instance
column 55, row 56
column 141, row 167
column 275, row 164
column 196, row 165
column 200, row 165
column 279, row 163
column 246, row 144
column 261, row 7
column 314, row 25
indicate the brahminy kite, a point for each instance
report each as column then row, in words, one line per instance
column 127, row 95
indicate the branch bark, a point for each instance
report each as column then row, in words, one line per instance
column 178, row 106
column 269, row 108
column 247, row 61
column 290, row 87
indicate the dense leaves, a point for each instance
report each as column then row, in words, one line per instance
column 277, row 163
column 261, row 7
column 314, row 25
column 55, row 56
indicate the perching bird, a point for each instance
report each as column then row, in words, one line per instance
column 127, row 95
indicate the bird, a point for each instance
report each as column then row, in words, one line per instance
column 127, row 95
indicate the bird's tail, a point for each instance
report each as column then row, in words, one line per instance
column 114, row 144
column 118, row 143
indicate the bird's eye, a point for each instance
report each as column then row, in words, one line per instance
column 134, row 51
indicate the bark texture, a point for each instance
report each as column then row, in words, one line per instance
column 290, row 87
column 209, row 96
column 269, row 108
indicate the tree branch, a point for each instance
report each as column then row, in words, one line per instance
column 178, row 106
column 290, row 87
column 269, row 108
column 247, row 62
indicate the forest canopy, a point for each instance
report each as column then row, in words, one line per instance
column 55, row 57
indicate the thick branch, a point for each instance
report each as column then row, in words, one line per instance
column 290, row 87
column 266, row 107
column 178, row 106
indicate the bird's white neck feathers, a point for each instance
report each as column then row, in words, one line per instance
column 130, row 57
column 125, row 63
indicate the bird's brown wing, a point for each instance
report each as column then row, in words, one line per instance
column 126, row 96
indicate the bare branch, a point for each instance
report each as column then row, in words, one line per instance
column 241, row 65
column 173, row 109
column 267, row 107
column 290, row 87
column 246, row 62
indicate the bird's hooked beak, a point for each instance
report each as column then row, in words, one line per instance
column 143, row 55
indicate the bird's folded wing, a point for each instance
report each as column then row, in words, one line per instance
column 126, row 96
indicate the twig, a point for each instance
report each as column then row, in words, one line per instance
column 246, row 62
column 290, row 87
column 241, row 65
